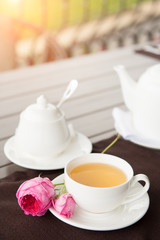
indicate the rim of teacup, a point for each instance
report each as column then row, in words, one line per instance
column 129, row 177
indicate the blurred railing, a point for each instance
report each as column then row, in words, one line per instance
column 115, row 23
column 47, row 30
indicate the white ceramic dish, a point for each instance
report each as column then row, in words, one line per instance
column 142, row 98
column 121, row 217
column 124, row 126
column 79, row 145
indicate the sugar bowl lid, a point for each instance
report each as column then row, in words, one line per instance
column 42, row 110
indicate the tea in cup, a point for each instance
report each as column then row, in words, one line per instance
column 101, row 182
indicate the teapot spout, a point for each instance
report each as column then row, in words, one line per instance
column 128, row 86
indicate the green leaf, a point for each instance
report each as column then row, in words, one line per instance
column 63, row 190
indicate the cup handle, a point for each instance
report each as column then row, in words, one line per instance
column 140, row 193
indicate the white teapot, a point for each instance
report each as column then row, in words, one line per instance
column 42, row 130
column 143, row 99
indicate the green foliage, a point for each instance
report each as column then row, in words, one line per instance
column 55, row 14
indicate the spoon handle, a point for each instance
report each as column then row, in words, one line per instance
column 69, row 91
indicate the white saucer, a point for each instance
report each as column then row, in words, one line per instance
column 124, row 126
column 79, row 145
column 121, row 217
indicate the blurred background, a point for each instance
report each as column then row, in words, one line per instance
column 39, row 31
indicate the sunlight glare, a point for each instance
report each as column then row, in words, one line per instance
column 14, row 1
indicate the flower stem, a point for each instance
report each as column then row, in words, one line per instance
column 40, row 174
column 112, row 143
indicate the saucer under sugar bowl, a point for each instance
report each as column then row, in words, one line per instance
column 42, row 131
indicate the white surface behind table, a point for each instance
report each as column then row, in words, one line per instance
column 89, row 109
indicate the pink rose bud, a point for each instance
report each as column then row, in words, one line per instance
column 36, row 196
column 65, row 205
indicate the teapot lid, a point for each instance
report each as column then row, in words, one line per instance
column 42, row 110
column 152, row 75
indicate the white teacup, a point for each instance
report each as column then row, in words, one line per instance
column 42, row 131
column 104, row 199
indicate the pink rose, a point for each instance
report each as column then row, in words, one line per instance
column 65, row 205
column 36, row 196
